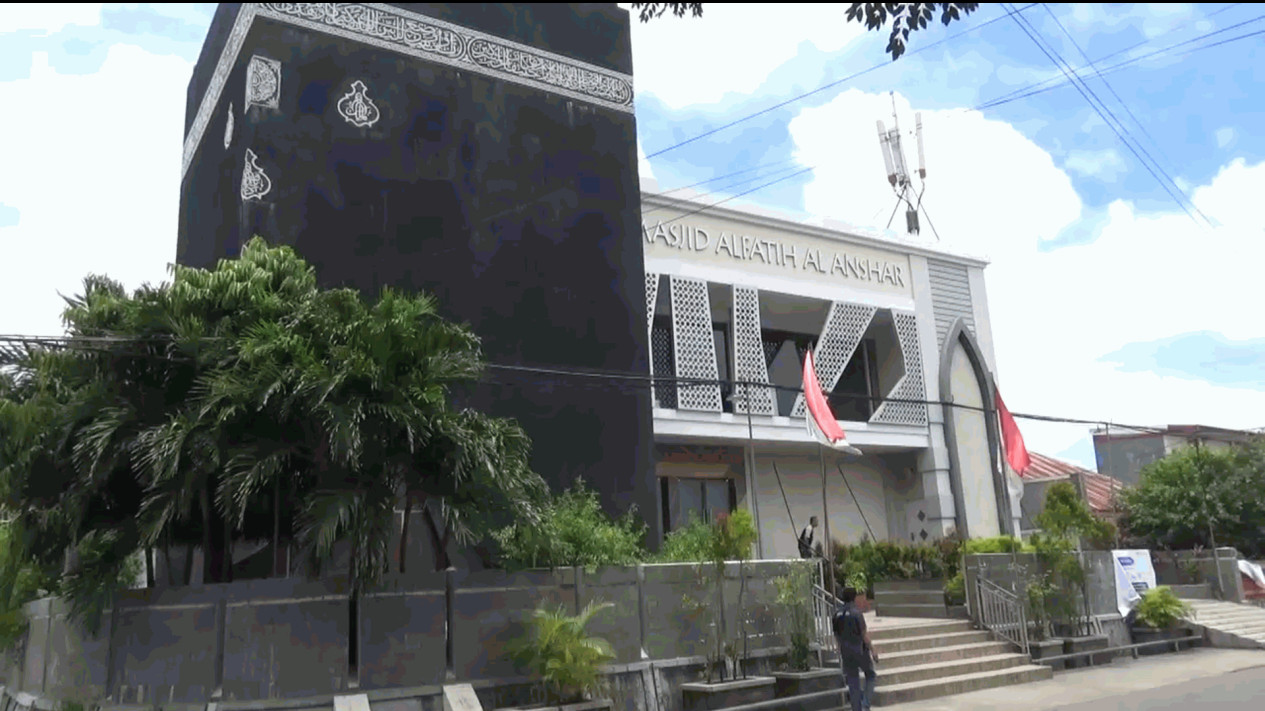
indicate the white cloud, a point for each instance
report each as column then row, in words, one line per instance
column 732, row 48
column 1224, row 136
column 47, row 17
column 96, row 197
column 991, row 191
column 1103, row 165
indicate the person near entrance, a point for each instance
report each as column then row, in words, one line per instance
column 806, row 538
column 856, row 653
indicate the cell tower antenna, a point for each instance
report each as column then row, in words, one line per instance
column 898, row 173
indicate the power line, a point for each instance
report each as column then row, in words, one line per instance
column 721, row 177
column 825, row 87
column 1060, row 81
column 1087, row 93
column 608, row 378
column 1122, row 103
column 721, row 190
column 734, row 197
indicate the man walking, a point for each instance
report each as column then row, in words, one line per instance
column 855, row 651
column 806, row 538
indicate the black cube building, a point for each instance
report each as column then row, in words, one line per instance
column 484, row 153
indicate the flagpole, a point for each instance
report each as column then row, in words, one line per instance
column 825, row 510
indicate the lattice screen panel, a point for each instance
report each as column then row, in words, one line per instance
column 693, row 342
column 749, row 356
column 845, row 326
column 911, row 385
column 661, row 357
column 652, row 297
column 770, row 352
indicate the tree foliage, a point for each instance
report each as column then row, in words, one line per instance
column 245, row 402
column 905, row 17
column 560, row 652
column 1196, row 493
column 573, row 530
column 1066, row 515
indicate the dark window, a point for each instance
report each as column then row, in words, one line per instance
column 664, row 362
column 720, row 334
column 687, row 498
column 853, row 396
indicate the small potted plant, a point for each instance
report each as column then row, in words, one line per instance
column 1041, row 644
column 567, row 661
column 1158, row 616
column 794, row 598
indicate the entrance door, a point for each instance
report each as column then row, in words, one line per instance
column 686, row 498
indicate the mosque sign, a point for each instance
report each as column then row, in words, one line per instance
column 726, row 245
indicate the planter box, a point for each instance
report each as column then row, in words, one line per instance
column 808, row 682
column 701, row 696
column 1142, row 634
column 1072, row 645
column 1047, row 648
column 595, row 705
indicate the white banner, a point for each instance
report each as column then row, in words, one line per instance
column 1134, row 576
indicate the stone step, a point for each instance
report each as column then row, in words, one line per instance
column 1241, row 630
column 937, row 670
column 1228, row 620
column 909, row 597
column 922, row 629
column 907, row 585
column 896, row 660
column 951, row 639
column 946, row 686
column 933, row 611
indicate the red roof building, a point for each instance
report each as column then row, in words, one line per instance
column 1099, row 489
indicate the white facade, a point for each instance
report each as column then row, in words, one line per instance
column 738, row 296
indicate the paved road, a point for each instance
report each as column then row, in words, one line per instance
column 1243, row 689
column 1194, row 679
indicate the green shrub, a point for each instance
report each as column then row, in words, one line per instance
column 1160, row 608
column 690, row 544
column 729, row 537
column 996, row 544
column 794, row 597
column 559, row 650
column 573, row 530
column 955, row 590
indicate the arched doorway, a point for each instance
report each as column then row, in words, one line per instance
column 970, row 427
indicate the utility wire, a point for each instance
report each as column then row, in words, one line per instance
column 1060, row 81
column 801, row 171
column 618, row 378
column 825, row 87
column 722, row 177
column 1011, row 96
column 1087, row 93
column 1129, row 111
column 785, row 175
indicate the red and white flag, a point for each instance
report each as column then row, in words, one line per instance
column 1016, row 452
column 822, row 425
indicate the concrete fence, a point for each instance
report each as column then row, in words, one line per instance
column 1100, row 579
column 292, row 638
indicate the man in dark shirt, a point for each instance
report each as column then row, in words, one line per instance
column 806, row 538
column 855, row 651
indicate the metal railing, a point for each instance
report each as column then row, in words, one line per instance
column 824, row 606
column 1002, row 613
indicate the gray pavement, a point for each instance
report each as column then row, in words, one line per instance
column 1195, row 679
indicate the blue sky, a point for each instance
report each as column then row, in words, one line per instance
column 1108, row 300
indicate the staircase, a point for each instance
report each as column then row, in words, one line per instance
column 1230, row 624
column 910, row 598
column 931, row 658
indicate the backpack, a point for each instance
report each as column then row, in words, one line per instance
column 805, row 545
column 846, row 627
